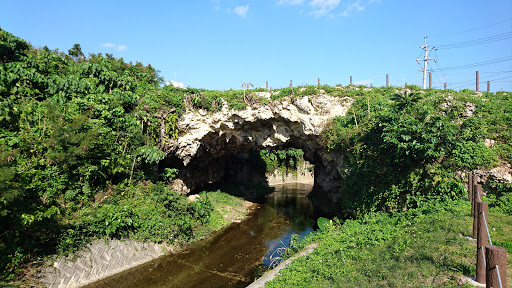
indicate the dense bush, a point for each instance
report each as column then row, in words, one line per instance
column 78, row 136
column 400, row 148
column 283, row 161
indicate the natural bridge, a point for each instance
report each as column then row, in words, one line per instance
column 215, row 145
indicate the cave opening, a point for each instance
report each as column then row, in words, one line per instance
column 240, row 168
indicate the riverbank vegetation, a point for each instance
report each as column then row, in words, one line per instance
column 404, row 157
column 80, row 142
column 81, row 139
column 421, row 247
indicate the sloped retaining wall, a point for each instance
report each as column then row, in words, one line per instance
column 100, row 260
column 304, row 174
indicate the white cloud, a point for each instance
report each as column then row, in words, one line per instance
column 355, row 6
column 216, row 6
column 290, row 2
column 242, row 10
column 323, row 7
column 117, row 47
column 331, row 8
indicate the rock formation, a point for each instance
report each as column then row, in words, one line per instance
column 214, row 144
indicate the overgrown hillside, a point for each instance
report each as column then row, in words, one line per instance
column 81, row 138
column 404, row 147
column 80, row 142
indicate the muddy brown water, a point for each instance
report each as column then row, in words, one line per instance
column 233, row 257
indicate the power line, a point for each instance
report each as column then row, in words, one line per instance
column 481, row 82
column 439, row 81
column 481, row 72
column 445, row 78
column 486, row 77
column 482, row 63
column 473, row 29
column 500, row 78
column 474, row 42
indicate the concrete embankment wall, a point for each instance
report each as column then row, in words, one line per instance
column 304, row 174
column 98, row 261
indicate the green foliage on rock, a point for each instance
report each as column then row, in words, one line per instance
column 401, row 147
column 283, row 161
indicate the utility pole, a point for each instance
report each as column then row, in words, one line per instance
column 425, row 61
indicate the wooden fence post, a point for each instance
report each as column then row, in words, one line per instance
column 291, row 84
column 470, row 187
column 429, row 80
column 476, row 195
column 350, row 80
column 318, row 82
column 474, row 182
column 495, row 264
column 267, row 85
column 387, row 80
column 444, row 85
column 488, row 86
column 481, row 241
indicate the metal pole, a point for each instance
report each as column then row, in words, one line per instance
column 488, row 86
column 267, row 85
column 291, row 84
column 350, row 80
column 477, row 81
column 425, row 62
column 444, row 85
column 429, row 80
column 318, row 82
column 499, row 277
column 387, row 80
column 487, row 228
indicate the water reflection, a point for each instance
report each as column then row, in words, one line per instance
column 291, row 201
column 234, row 256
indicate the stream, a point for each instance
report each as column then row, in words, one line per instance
column 234, row 256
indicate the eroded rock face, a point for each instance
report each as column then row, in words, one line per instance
column 500, row 174
column 212, row 144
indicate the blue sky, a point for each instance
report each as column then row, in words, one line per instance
column 219, row 44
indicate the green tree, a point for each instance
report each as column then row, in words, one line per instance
column 76, row 52
column 11, row 47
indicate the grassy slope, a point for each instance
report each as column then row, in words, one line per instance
column 226, row 208
column 423, row 247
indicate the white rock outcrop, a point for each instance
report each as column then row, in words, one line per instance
column 306, row 116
